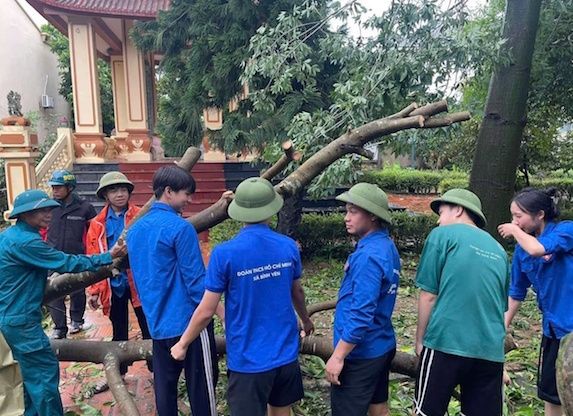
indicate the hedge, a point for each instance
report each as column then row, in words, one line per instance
column 396, row 179
column 325, row 235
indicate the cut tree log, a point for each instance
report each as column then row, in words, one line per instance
column 564, row 369
column 114, row 353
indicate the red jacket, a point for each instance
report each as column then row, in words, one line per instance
column 96, row 242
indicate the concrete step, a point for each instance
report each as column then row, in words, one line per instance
column 97, row 167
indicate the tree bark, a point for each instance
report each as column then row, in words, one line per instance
column 118, row 387
column 564, row 368
column 497, row 152
column 290, row 215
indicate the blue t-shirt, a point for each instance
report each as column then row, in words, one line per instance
column 114, row 225
column 367, row 296
column 551, row 277
column 256, row 270
column 168, row 271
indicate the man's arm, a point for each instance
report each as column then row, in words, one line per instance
column 199, row 321
column 39, row 254
column 513, row 307
column 426, row 302
column 190, row 262
column 336, row 361
column 299, row 303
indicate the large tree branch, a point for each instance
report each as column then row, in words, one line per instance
column 127, row 352
column 66, row 283
column 408, row 118
column 118, row 387
column 289, row 155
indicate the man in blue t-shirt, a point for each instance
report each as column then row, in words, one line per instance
column 259, row 272
column 364, row 340
column 168, row 272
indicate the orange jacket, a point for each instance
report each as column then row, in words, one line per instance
column 96, row 242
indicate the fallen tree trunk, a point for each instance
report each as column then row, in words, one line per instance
column 114, row 353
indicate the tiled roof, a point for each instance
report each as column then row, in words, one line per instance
column 125, row 8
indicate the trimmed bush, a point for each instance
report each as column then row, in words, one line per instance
column 397, row 179
column 324, row 235
column 450, row 183
column 411, row 181
column 410, row 230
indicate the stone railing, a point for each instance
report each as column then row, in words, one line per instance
column 60, row 156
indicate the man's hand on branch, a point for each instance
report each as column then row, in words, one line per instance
column 228, row 196
column 119, row 249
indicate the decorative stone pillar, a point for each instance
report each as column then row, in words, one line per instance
column 89, row 141
column 19, row 149
column 136, row 145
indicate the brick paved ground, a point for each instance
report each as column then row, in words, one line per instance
column 412, row 202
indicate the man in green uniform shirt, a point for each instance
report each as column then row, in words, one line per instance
column 464, row 279
column 24, row 263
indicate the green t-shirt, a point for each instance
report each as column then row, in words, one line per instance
column 469, row 272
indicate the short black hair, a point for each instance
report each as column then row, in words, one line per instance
column 174, row 177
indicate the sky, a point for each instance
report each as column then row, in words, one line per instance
column 376, row 7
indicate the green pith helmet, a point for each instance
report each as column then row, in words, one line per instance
column 255, row 200
column 110, row 179
column 463, row 198
column 370, row 198
column 30, row 201
column 62, row 177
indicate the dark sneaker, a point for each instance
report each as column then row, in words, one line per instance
column 58, row 334
column 76, row 327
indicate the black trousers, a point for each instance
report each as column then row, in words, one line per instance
column 57, row 310
column 119, row 317
column 201, row 373
column 480, row 381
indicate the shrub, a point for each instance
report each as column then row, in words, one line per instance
column 397, row 179
column 405, row 180
column 324, row 235
column 450, row 183
column 410, row 230
column 566, row 215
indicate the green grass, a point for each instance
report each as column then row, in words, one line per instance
column 321, row 281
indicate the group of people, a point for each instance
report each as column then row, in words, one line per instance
column 468, row 296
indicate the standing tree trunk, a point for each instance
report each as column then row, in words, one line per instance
column 290, row 215
column 497, row 152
